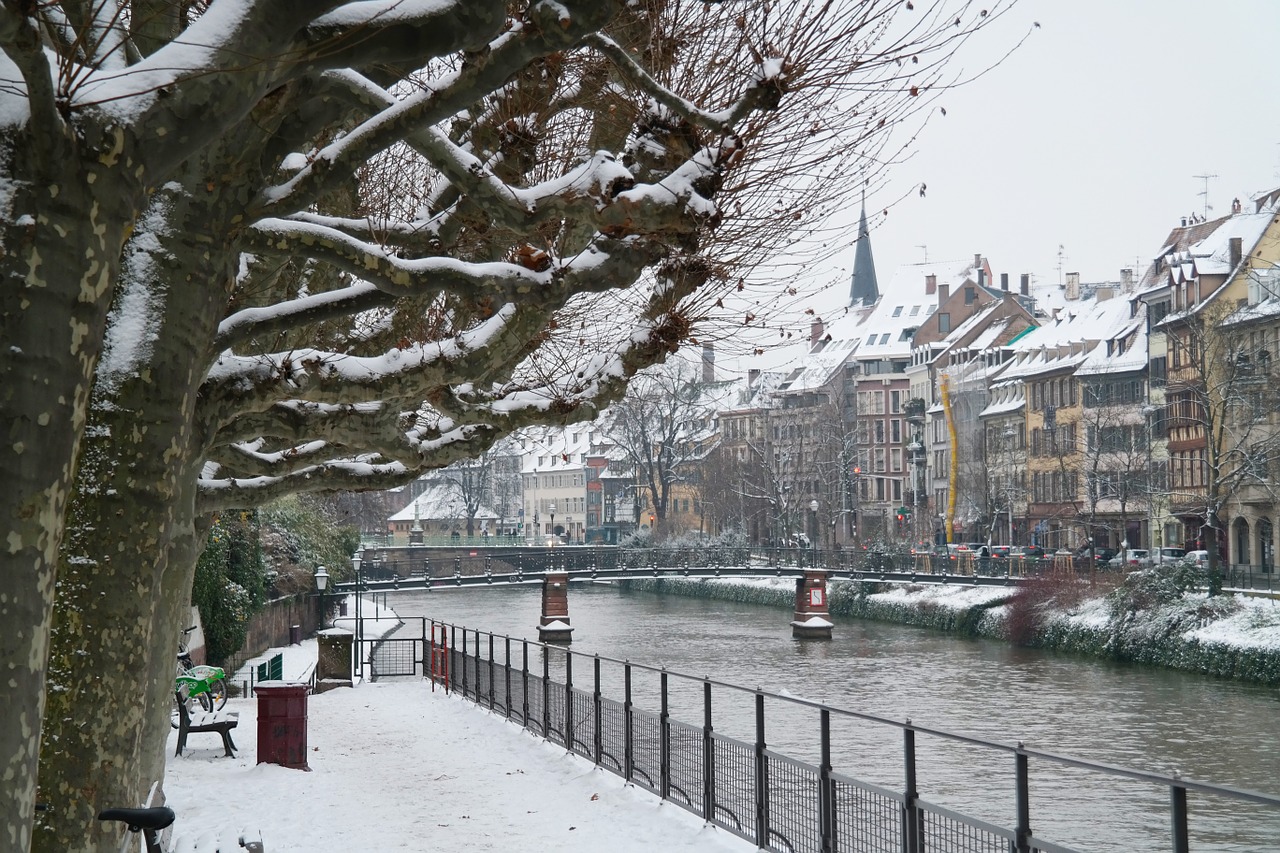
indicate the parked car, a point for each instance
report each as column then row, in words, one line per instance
column 1134, row 558
column 1167, row 555
column 1199, row 559
column 1100, row 555
column 1032, row 552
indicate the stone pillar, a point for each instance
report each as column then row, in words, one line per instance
column 333, row 661
column 553, row 627
column 812, row 619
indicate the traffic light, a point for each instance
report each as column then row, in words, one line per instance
column 651, row 519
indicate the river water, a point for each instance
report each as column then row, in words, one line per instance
column 1144, row 718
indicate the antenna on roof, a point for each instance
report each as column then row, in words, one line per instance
column 922, row 247
column 1062, row 261
column 1205, row 192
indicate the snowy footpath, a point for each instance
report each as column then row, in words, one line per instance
column 396, row 766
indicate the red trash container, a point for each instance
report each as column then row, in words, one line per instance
column 282, row 723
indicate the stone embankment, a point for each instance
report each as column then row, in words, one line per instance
column 1137, row 620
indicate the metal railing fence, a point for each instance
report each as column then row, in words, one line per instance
column 742, row 785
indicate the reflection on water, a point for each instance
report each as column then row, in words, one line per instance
column 1153, row 719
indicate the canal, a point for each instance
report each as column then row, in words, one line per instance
column 1146, row 718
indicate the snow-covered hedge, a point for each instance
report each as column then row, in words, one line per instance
column 1150, row 617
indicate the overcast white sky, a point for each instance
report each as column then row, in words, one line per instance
column 1089, row 137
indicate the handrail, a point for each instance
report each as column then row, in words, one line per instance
column 1013, row 749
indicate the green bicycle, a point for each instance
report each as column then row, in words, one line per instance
column 204, row 684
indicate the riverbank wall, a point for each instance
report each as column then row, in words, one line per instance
column 1231, row 636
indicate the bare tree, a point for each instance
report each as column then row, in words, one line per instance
column 663, row 426
column 219, row 295
column 1220, row 403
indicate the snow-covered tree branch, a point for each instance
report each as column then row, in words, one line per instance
column 256, row 248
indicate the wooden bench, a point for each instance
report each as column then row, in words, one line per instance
column 221, row 722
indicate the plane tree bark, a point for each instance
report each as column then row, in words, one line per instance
column 268, row 247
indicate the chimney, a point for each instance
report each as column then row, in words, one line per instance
column 1004, row 282
column 1126, row 279
column 930, row 285
column 1237, row 250
column 753, row 377
column 1073, row 285
column 709, row 362
column 1184, row 222
column 815, row 330
column 977, row 261
column 1024, row 284
column 944, row 291
column 982, row 277
column 1104, row 293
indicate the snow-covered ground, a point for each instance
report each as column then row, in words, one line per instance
column 396, row 766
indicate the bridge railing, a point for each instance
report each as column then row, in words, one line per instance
column 532, row 560
column 621, row 716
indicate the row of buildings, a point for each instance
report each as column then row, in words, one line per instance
column 954, row 404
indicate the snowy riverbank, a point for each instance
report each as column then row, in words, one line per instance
column 1140, row 619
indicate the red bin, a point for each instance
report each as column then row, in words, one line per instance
column 282, row 723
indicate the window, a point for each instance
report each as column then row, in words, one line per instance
column 884, row 339
column 970, row 295
column 895, row 459
column 944, row 322
column 871, row 339
column 895, row 402
column 895, row 431
column 897, row 311
column 915, row 309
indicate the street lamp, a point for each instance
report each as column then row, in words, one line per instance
column 813, row 524
column 553, row 521
column 322, row 583
column 1148, row 412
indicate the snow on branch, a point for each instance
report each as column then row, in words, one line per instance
column 20, row 40
column 765, row 93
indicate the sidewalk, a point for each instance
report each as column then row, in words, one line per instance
column 396, row 766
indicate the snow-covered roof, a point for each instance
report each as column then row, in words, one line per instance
column 440, row 500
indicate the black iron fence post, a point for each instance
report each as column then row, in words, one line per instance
column 463, row 661
column 708, row 758
column 491, row 672
column 568, row 700
column 597, row 735
column 762, row 778
column 826, row 788
column 478, row 697
column 524, row 683
column 912, row 817
column 1178, row 814
column 628, row 754
column 506, row 676
column 664, row 742
column 546, row 692
column 1022, row 832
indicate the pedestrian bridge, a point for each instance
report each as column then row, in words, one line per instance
column 556, row 568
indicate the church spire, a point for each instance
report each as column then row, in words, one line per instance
column 863, row 289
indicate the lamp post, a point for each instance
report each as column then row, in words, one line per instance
column 553, row 521
column 322, row 583
column 1148, row 412
column 915, row 456
column 813, row 524
column 359, row 632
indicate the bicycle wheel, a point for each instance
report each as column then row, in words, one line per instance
column 217, row 694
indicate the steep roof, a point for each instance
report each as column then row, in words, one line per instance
column 863, row 289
